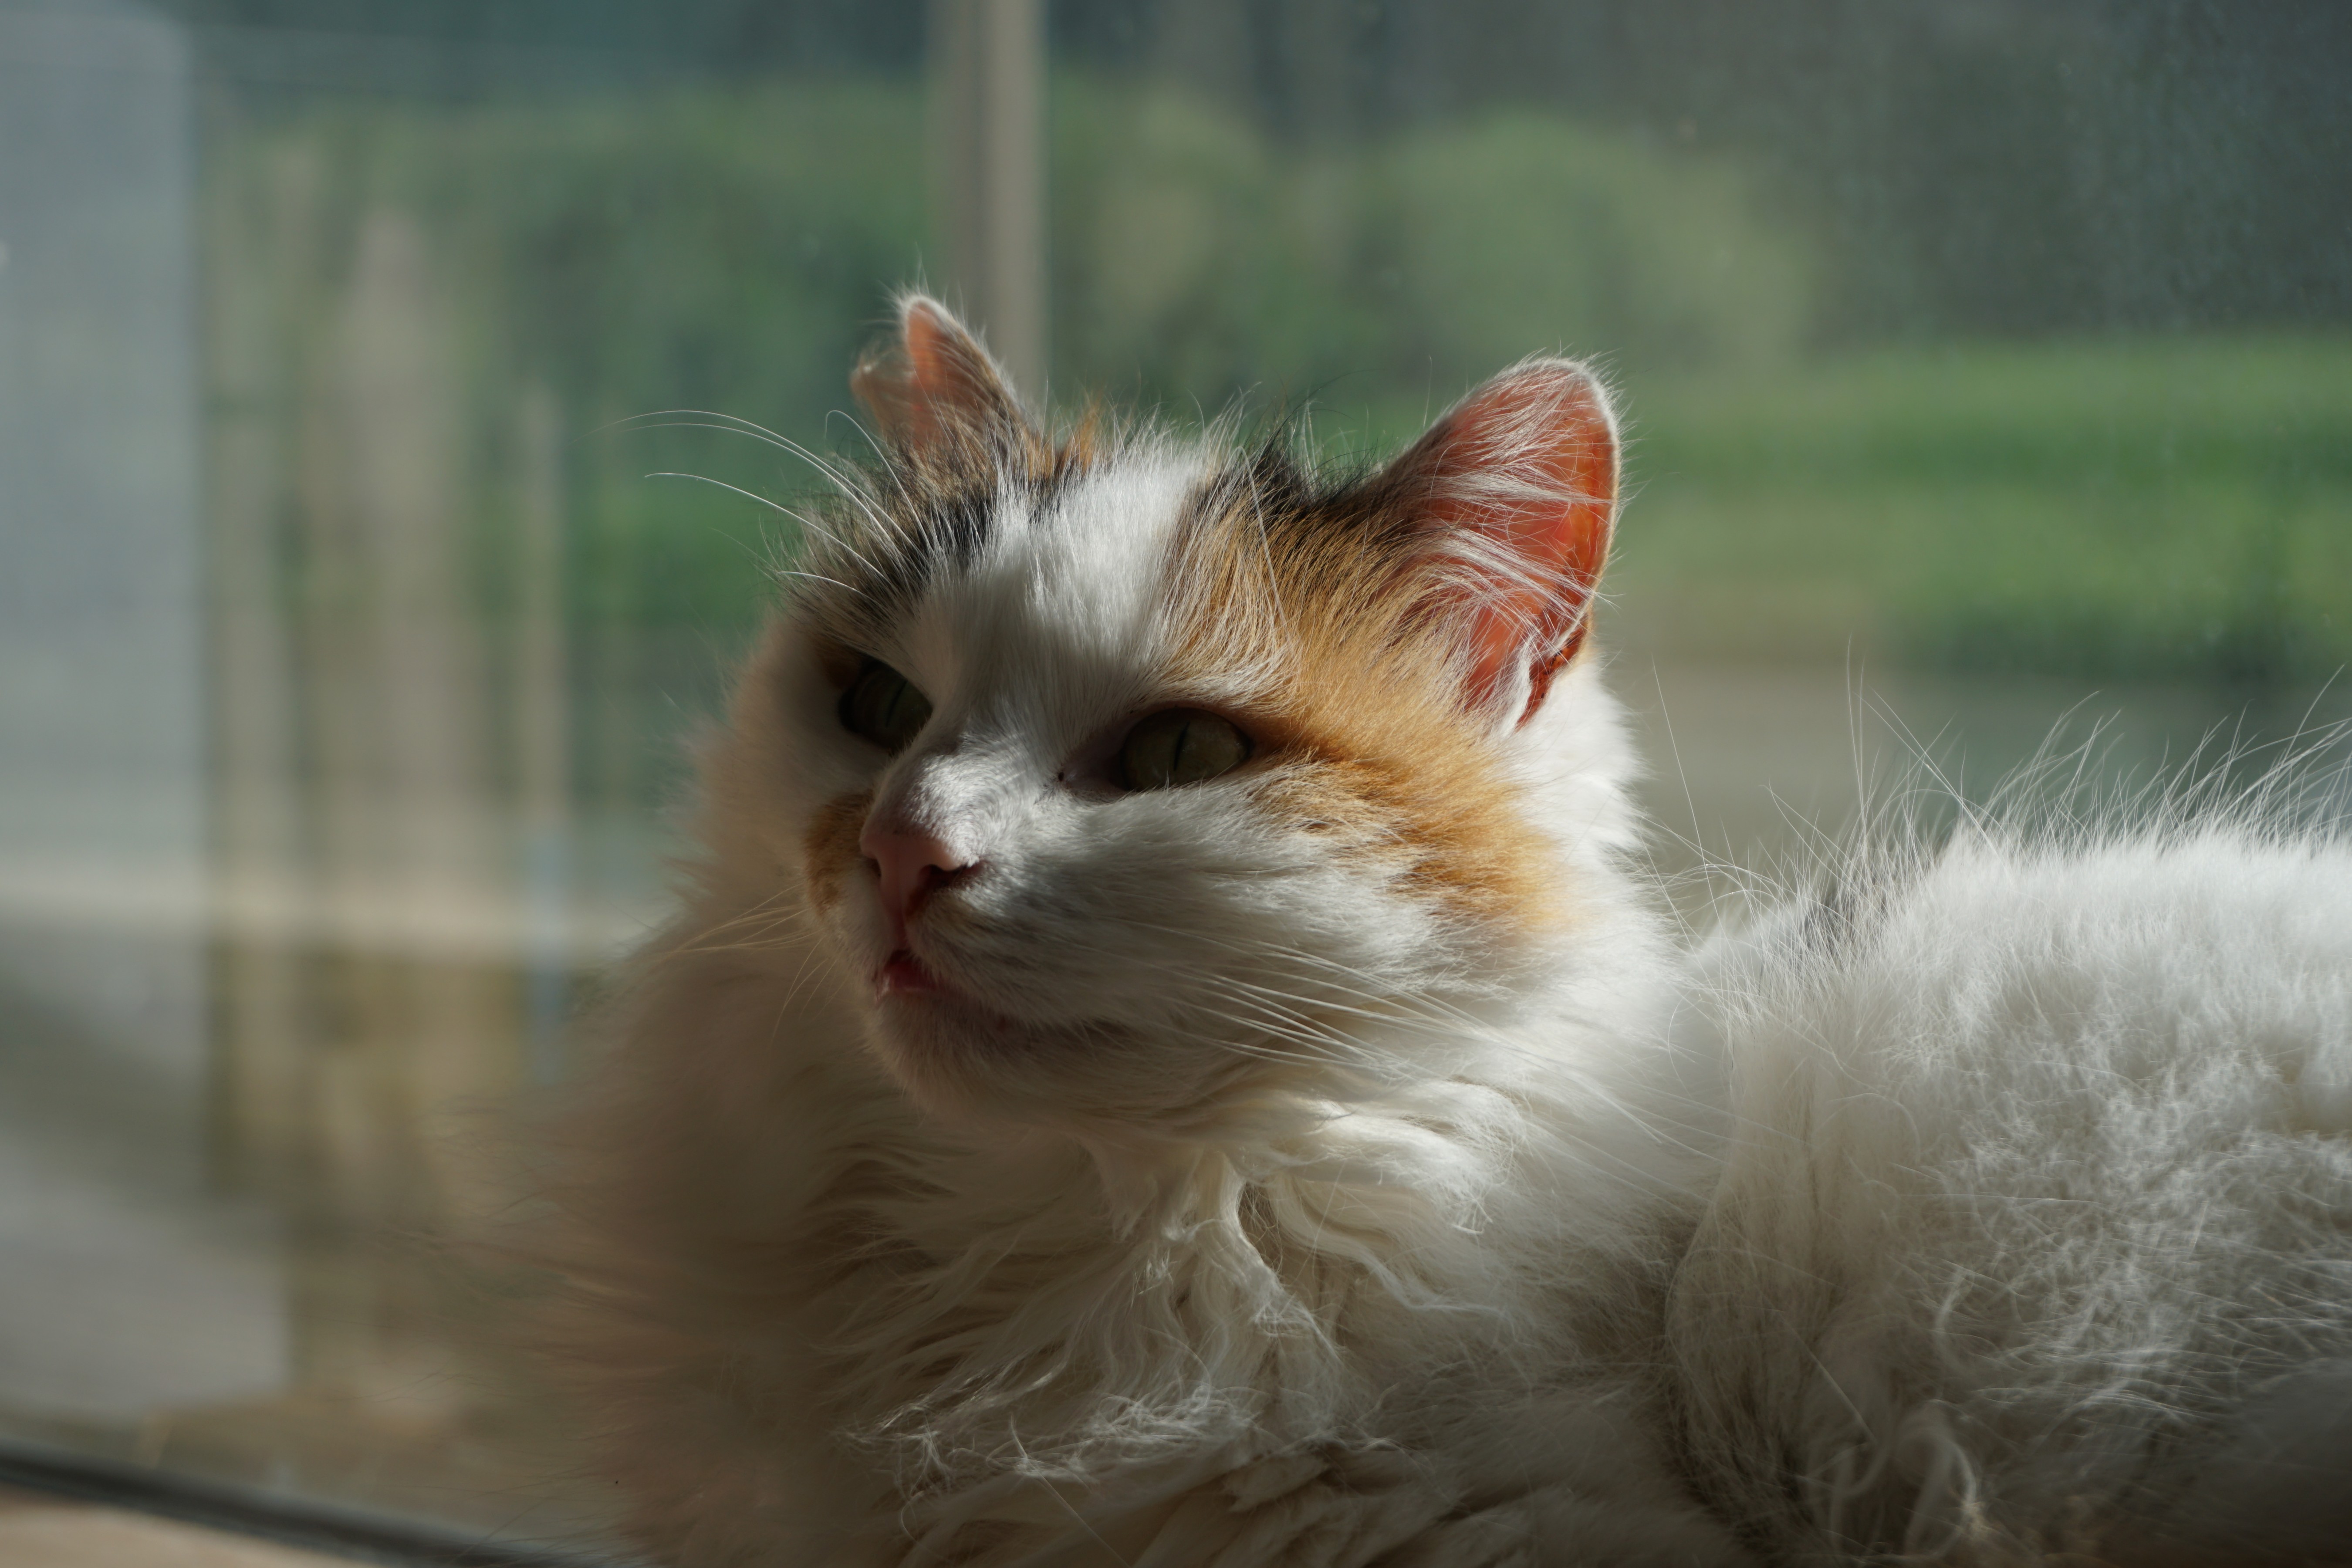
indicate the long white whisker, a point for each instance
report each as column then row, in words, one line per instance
column 831, row 539
column 847, row 483
column 818, row 577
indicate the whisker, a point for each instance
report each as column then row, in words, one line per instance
column 849, row 482
column 829, row 538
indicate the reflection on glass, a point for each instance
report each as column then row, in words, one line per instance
column 354, row 623
column 128, row 1286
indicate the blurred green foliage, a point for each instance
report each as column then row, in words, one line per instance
column 2157, row 506
column 653, row 259
column 2175, row 507
column 1194, row 258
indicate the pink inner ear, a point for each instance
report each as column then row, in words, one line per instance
column 938, row 375
column 1529, row 464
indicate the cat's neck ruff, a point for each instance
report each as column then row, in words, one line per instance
column 1092, row 1299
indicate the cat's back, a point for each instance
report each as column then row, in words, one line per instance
column 1996, row 968
column 2037, row 1218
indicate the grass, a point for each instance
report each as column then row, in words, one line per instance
column 2143, row 508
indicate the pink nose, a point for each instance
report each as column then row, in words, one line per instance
column 911, row 865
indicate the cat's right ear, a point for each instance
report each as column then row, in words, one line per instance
column 1514, row 494
column 935, row 389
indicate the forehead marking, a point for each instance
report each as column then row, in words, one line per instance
column 1065, row 595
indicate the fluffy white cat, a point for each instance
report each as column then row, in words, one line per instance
column 1166, row 1059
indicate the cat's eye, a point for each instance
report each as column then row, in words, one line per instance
column 1179, row 746
column 883, row 706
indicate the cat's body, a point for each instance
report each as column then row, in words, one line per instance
column 1165, row 1061
column 2036, row 1232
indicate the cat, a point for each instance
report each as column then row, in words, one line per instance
column 1168, row 1058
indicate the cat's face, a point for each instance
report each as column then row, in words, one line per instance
column 1128, row 783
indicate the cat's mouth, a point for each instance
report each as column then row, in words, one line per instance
column 932, row 1018
column 905, row 977
column 903, row 974
column 927, row 992
column 936, row 1030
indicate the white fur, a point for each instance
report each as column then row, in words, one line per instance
column 1280, row 1219
column 2038, row 1218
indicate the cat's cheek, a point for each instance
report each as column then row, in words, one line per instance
column 829, row 852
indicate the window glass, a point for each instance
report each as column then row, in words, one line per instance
column 402, row 408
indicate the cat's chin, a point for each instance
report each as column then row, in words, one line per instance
column 910, row 995
column 964, row 1060
column 968, row 1060
column 958, row 1057
column 925, row 1023
column 947, row 1017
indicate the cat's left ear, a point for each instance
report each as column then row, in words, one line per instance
column 1514, row 493
column 935, row 389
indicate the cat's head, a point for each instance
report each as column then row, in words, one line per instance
column 1133, row 781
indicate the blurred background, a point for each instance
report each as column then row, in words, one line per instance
column 1987, row 365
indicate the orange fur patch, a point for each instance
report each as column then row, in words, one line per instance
column 1366, row 727
column 830, row 845
column 1453, row 824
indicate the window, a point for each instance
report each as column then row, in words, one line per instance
column 1987, row 365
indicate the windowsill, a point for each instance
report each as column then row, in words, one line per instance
column 59, row 1510
column 38, row 1531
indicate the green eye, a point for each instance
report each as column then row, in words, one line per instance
column 883, row 706
column 1179, row 746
